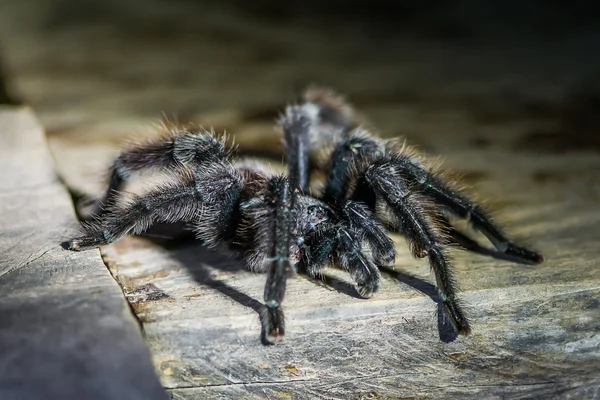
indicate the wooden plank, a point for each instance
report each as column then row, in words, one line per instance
column 66, row 331
column 514, row 118
column 535, row 328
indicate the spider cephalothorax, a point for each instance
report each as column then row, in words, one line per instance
column 278, row 225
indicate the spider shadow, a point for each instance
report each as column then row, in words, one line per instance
column 446, row 331
column 330, row 282
column 201, row 263
column 181, row 242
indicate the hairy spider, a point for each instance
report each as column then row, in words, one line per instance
column 279, row 226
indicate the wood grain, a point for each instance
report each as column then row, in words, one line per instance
column 65, row 330
column 535, row 329
column 514, row 111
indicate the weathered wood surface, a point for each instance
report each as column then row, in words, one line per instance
column 66, row 331
column 535, row 329
column 518, row 115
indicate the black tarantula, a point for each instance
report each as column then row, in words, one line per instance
column 280, row 226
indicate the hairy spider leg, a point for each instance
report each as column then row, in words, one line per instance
column 332, row 109
column 310, row 126
column 462, row 207
column 421, row 231
column 168, row 203
column 352, row 150
column 208, row 199
column 175, row 148
column 423, row 234
column 319, row 248
column 361, row 267
column 295, row 125
column 339, row 242
column 359, row 148
column 347, row 154
column 460, row 239
column 363, row 221
column 279, row 200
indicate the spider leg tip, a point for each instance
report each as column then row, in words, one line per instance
column 274, row 336
column 273, row 330
column 71, row 245
column 367, row 290
column 530, row 256
column 464, row 330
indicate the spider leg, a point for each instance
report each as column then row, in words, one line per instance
column 348, row 152
column 463, row 207
column 333, row 111
column 167, row 203
column 351, row 150
column 309, row 126
column 362, row 220
column 279, row 199
column 460, row 239
column 358, row 147
column 319, row 249
column 361, row 267
column 209, row 198
column 422, row 232
column 174, row 149
column 281, row 196
column 345, row 244
column 331, row 114
column 296, row 125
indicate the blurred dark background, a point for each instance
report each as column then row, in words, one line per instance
column 427, row 70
